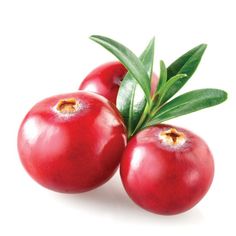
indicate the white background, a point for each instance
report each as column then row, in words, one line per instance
column 45, row 50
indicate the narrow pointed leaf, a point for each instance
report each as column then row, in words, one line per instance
column 131, row 98
column 163, row 75
column 186, row 64
column 188, row 103
column 169, row 84
column 129, row 60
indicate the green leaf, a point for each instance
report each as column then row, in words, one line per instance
column 163, row 76
column 129, row 60
column 188, row 103
column 169, row 85
column 131, row 98
column 186, row 64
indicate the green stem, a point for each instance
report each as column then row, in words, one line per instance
column 146, row 115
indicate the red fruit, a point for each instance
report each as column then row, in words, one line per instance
column 105, row 80
column 72, row 142
column 166, row 170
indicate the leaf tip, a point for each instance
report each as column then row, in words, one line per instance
column 203, row 46
column 162, row 62
column 153, row 39
column 95, row 37
column 225, row 95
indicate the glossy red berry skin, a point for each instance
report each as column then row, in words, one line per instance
column 75, row 151
column 105, row 80
column 163, row 179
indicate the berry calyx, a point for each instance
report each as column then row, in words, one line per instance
column 172, row 137
column 67, row 105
